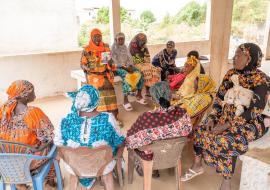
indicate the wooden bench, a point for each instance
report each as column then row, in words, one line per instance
column 255, row 173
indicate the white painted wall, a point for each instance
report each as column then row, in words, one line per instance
column 50, row 73
column 35, row 26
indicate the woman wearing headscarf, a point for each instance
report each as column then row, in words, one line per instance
column 25, row 124
column 184, row 80
column 205, row 90
column 87, row 127
column 98, row 68
column 132, row 79
column 165, row 59
column 225, row 135
column 141, row 60
column 164, row 122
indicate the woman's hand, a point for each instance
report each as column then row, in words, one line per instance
column 266, row 122
column 85, row 68
column 110, row 62
column 209, row 124
column 220, row 128
column 176, row 97
column 129, row 69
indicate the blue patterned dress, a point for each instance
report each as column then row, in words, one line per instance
column 89, row 132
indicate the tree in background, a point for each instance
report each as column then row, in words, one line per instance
column 192, row 14
column 249, row 16
column 146, row 18
column 83, row 36
column 104, row 18
column 103, row 15
column 167, row 20
column 250, row 11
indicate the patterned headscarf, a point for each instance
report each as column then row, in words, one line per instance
column 161, row 89
column 254, row 52
column 17, row 90
column 86, row 99
column 92, row 46
column 140, row 39
column 192, row 60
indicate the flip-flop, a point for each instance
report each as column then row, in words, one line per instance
column 190, row 174
column 141, row 101
column 128, row 107
column 148, row 95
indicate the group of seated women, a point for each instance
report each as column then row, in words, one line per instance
column 238, row 113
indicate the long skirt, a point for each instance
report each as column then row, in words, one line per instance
column 36, row 165
column 130, row 82
column 194, row 104
column 108, row 102
column 151, row 74
column 221, row 150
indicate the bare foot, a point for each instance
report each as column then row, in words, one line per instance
column 22, row 187
column 52, row 184
column 225, row 185
column 197, row 164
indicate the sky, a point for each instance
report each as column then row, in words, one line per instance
column 159, row 7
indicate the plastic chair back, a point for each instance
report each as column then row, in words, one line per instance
column 166, row 152
column 87, row 162
column 15, row 160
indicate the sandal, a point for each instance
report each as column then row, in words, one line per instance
column 141, row 101
column 190, row 174
column 139, row 169
column 128, row 107
column 155, row 174
column 148, row 95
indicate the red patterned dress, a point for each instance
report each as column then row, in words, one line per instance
column 157, row 125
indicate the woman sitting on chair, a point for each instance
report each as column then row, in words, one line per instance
column 205, row 90
column 132, row 79
column 165, row 59
column 227, row 131
column 25, row 124
column 183, row 82
column 87, row 127
column 98, row 68
column 162, row 123
column 141, row 59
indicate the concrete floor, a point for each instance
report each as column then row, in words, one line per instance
column 58, row 107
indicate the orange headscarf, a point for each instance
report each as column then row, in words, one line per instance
column 18, row 89
column 92, row 46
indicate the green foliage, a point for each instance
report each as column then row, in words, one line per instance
column 250, row 11
column 83, row 36
column 84, row 33
column 103, row 15
column 104, row 18
column 192, row 14
column 146, row 18
column 167, row 20
column 124, row 15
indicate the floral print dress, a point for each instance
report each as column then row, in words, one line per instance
column 221, row 150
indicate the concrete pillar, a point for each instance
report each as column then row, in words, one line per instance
column 267, row 34
column 115, row 22
column 221, row 17
column 208, row 20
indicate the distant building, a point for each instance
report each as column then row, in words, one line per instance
column 87, row 14
column 90, row 14
column 42, row 26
